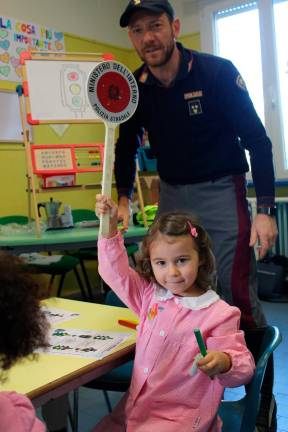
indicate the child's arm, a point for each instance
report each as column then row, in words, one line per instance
column 113, row 262
column 18, row 414
column 105, row 205
column 226, row 342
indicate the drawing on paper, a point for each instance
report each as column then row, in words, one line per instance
column 73, row 89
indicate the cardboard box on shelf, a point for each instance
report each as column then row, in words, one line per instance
column 57, row 181
column 150, row 189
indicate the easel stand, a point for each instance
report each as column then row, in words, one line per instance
column 54, row 91
column 32, row 201
column 140, row 195
column 71, row 93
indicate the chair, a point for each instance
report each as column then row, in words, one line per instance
column 61, row 267
column 19, row 219
column 240, row 415
column 80, row 215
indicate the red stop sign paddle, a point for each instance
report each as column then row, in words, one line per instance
column 113, row 95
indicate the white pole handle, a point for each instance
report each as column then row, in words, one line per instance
column 107, row 172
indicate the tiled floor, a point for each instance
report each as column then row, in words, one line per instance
column 92, row 405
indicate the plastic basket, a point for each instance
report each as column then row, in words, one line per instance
column 146, row 159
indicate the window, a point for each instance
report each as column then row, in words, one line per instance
column 281, row 33
column 242, row 48
column 254, row 36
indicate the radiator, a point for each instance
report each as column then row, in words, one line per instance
column 281, row 246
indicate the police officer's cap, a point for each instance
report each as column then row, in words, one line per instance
column 156, row 6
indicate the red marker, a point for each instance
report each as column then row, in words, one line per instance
column 128, row 323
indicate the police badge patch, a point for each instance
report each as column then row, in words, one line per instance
column 195, row 107
column 241, row 83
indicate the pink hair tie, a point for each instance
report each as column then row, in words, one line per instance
column 193, row 230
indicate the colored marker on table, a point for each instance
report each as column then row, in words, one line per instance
column 200, row 342
column 128, row 323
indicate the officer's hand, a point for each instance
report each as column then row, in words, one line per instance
column 124, row 212
column 264, row 231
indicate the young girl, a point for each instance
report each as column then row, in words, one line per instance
column 171, row 293
column 22, row 330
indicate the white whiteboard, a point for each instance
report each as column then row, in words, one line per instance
column 57, row 90
column 10, row 121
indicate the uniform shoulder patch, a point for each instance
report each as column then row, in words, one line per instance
column 143, row 77
column 241, row 83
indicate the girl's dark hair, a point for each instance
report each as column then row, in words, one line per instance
column 178, row 224
column 23, row 325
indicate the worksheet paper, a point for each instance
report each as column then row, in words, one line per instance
column 57, row 315
column 83, row 343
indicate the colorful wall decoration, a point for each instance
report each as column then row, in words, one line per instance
column 17, row 36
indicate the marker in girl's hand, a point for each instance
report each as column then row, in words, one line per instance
column 200, row 342
column 203, row 351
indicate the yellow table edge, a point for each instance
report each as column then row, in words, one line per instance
column 70, row 372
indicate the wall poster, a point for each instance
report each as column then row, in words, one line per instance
column 17, row 36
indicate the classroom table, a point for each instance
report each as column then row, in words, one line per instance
column 50, row 376
column 63, row 239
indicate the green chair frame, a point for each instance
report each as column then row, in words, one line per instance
column 62, row 267
column 240, row 415
column 19, row 219
column 80, row 215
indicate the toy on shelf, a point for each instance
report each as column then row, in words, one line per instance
column 146, row 159
column 57, row 165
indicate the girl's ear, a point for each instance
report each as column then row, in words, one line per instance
column 146, row 265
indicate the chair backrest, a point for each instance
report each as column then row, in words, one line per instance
column 112, row 299
column 240, row 415
column 19, row 219
column 80, row 215
column 271, row 339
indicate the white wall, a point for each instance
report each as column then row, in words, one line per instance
column 187, row 11
column 94, row 19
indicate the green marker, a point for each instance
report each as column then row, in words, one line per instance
column 200, row 342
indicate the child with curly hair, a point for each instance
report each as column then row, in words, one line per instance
column 22, row 330
column 172, row 294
